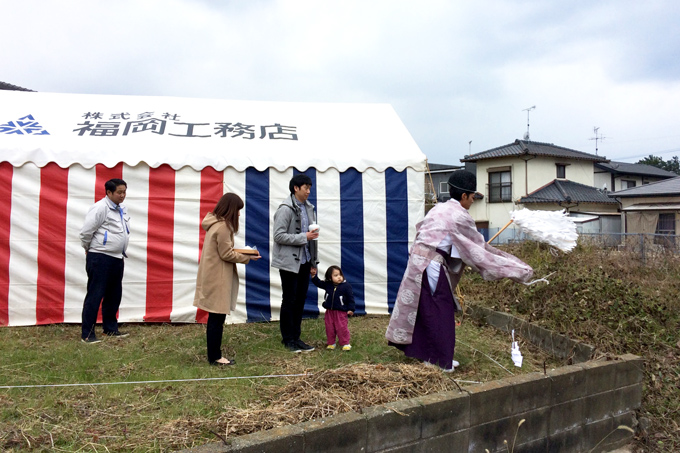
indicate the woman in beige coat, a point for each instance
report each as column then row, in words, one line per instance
column 217, row 279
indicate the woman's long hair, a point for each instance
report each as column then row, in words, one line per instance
column 227, row 209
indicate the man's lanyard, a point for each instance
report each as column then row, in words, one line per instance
column 124, row 225
column 122, row 220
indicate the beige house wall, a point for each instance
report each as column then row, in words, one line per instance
column 542, row 170
column 627, row 202
column 497, row 214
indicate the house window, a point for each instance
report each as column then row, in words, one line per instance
column 666, row 224
column 561, row 171
column 627, row 184
column 500, row 186
column 665, row 229
column 443, row 188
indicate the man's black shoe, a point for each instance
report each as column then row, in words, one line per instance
column 304, row 347
column 117, row 333
column 293, row 347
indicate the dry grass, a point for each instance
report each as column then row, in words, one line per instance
column 329, row 392
column 615, row 301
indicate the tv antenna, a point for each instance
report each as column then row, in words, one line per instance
column 598, row 137
column 470, row 147
column 526, row 136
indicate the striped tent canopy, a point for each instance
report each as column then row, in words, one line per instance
column 178, row 156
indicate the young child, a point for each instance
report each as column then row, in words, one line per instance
column 339, row 304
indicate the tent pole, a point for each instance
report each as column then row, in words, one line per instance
column 431, row 183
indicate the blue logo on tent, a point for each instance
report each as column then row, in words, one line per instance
column 26, row 125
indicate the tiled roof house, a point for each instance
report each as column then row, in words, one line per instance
column 539, row 176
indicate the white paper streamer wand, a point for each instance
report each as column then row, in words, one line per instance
column 555, row 228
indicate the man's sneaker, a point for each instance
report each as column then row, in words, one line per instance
column 455, row 364
column 293, row 347
column 91, row 340
column 330, row 346
column 347, row 347
column 304, row 347
column 117, row 333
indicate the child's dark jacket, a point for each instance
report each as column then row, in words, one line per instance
column 338, row 297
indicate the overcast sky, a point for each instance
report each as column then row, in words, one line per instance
column 454, row 71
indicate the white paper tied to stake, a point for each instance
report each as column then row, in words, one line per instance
column 514, row 352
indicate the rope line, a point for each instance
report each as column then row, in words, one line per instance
column 477, row 350
column 9, row 387
column 152, row 382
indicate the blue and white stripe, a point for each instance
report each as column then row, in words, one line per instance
column 366, row 219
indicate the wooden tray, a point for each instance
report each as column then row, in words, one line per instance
column 247, row 251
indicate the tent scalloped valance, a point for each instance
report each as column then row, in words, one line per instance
column 88, row 130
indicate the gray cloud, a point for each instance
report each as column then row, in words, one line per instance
column 454, row 71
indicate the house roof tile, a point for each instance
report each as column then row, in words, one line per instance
column 10, row 87
column 619, row 168
column 526, row 147
column 666, row 187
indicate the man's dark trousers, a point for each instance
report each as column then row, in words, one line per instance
column 105, row 286
column 294, row 286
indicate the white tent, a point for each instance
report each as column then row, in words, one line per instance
column 178, row 156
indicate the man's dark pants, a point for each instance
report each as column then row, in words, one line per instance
column 294, row 286
column 105, row 286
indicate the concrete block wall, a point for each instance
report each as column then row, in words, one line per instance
column 558, row 345
column 570, row 409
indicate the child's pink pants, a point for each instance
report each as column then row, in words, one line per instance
column 336, row 324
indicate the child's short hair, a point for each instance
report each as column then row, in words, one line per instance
column 329, row 273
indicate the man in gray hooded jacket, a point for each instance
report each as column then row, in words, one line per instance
column 294, row 254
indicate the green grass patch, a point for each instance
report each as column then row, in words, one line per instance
column 165, row 416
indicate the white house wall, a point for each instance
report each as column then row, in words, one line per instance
column 541, row 171
column 602, row 178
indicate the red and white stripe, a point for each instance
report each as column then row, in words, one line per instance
column 42, row 265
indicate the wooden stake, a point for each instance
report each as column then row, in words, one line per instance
column 499, row 232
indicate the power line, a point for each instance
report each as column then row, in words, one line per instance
column 658, row 154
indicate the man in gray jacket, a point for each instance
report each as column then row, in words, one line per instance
column 294, row 255
column 105, row 237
